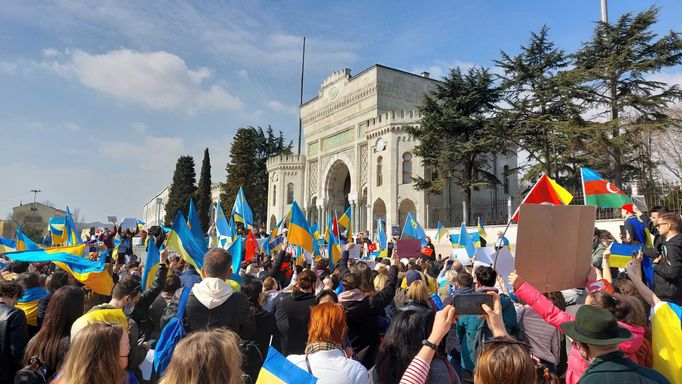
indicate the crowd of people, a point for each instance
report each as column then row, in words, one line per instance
column 385, row 320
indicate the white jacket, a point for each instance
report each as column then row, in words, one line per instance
column 332, row 367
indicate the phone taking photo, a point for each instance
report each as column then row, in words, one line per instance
column 470, row 304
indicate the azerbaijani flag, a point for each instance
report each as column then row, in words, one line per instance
column 278, row 370
column 545, row 191
column 601, row 193
column 666, row 331
column 299, row 230
column 92, row 274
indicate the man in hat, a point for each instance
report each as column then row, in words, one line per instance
column 597, row 335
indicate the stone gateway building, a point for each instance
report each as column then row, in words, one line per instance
column 357, row 153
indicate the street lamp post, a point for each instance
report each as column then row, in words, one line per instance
column 158, row 210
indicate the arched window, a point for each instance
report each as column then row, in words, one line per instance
column 380, row 172
column 274, row 194
column 506, row 179
column 290, row 193
column 407, row 168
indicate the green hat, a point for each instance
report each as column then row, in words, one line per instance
column 596, row 326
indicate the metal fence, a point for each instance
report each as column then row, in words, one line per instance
column 498, row 212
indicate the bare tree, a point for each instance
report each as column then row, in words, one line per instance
column 666, row 148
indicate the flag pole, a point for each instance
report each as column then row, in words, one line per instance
column 300, row 121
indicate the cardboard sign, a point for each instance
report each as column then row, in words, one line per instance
column 395, row 231
column 461, row 255
column 409, row 248
column 112, row 219
column 554, row 245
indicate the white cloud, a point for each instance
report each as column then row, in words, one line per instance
column 440, row 68
column 51, row 52
column 278, row 106
column 149, row 154
column 157, row 80
column 140, row 128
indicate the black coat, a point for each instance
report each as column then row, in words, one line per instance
column 13, row 340
column 361, row 316
column 293, row 316
column 233, row 314
column 141, row 312
column 668, row 271
column 266, row 327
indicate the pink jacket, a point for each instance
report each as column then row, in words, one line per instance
column 555, row 317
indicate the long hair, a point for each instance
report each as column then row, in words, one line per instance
column 327, row 323
column 417, row 291
column 208, row 357
column 504, row 361
column 253, row 289
column 366, row 278
column 94, row 356
column 65, row 306
column 401, row 344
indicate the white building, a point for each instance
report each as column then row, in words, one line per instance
column 154, row 212
column 357, row 153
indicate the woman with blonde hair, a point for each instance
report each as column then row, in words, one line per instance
column 325, row 357
column 417, row 297
column 97, row 354
column 505, row 360
column 206, row 357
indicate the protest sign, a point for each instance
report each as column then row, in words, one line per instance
column 129, row 223
column 461, row 255
column 111, row 219
column 409, row 248
column 554, row 245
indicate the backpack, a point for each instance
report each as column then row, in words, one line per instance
column 171, row 334
column 35, row 372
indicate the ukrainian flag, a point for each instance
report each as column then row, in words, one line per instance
column 181, row 240
column 57, row 233
column 315, row 230
column 441, row 232
column 666, row 330
column 92, row 274
column 278, row 370
column 151, row 265
column 114, row 252
column 72, row 237
column 466, row 242
column 193, row 222
column 414, row 230
column 481, row 229
column 347, row 221
column 241, row 210
column 23, row 241
column 274, row 242
column 7, row 245
column 299, row 230
column 29, row 304
column 333, row 250
column 621, row 254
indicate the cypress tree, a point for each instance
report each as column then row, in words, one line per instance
column 203, row 194
column 182, row 188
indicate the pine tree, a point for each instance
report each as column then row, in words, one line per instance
column 615, row 67
column 457, row 132
column 538, row 110
column 203, row 194
column 182, row 189
column 247, row 168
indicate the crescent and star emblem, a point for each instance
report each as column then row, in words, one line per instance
column 611, row 188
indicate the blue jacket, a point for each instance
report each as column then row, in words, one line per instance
column 189, row 277
column 472, row 330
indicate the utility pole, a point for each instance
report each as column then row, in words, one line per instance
column 35, row 194
column 300, row 122
column 604, row 12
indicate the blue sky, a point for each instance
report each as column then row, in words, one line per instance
column 99, row 98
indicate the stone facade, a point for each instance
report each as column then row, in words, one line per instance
column 357, row 153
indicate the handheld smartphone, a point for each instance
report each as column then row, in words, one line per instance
column 471, row 304
column 389, row 250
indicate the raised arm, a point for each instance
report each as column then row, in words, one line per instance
column 634, row 270
column 540, row 304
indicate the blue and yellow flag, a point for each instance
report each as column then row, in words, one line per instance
column 140, row 224
column 347, row 221
column 441, row 232
column 481, row 229
column 181, row 240
column 275, row 239
column 72, row 237
column 666, row 331
column 29, row 304
column 241, row 210
column 413, row 229
column 233, row 231
column 151, row 265
column 333, row 250
column 299, row 230
column 7, row 245
column 222, row 227
column 57, row 233
column 466, row 242
column 23, row 242
column 381, row 234
column 315, row 231
column 236, row 250
column 193, row 222
column 278, row 370
column 621, row 254
column 72, row 259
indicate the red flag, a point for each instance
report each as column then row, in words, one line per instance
column 371, row 247
column 426, row 251
column 545, row 191
column 251, row 246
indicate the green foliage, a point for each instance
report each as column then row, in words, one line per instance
column 182, row 188
column 247, row 168
column 614, row 69
column 203, row 193
column 457, row 132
